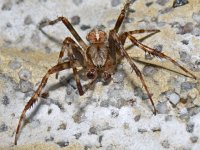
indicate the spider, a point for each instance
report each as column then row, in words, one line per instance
column 98, row 58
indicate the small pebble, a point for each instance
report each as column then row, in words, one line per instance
column 25, row 86
column 184, row 57
column 149, row 4
column 137, row 118
column 78, row 135
column 165, row 144
column 162, row 2
column 93, row 130
column 185, row 42
column 49, row 139
column 15, row 64
column 196, row 17
column 158, row 47
column 142, row 130
column 34, row 124
column 156, row 129
column 75, row 20
column 3, row 127
column 7, row 6
column 194, row 139
column 118, row 77
column 190, row 127
column 28, row 20
column 186, row 86
column 114, row 113
column 162, row 107
column 174, row 98
column 139, row 92
column 77, row 2
column 149, row 70
column 24, row 74
column 178, row 3
column 5, row 100
column 114, row 3
column 85, row 27
column 187, row 28
column 62, row 126
column 63, row 143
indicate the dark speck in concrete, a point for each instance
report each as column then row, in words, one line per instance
column 165, row 144
column 184, row 56
column 115, row 3
column 139, row 92
column 24, row 74
column 62, row 126
column 78, row 135
column 49, row 139
column 178, row 3
column 166, row 10
column 158, row 47
column 77, row 2
column 162, row 2
column 190, row 127
column 7, row 6
column 149, row 4
column 93, row 130
column 114, row 113
column 5, row 100
column 186, row 86
column 85, row 27
column 75, row 20
column 3, row 127
column 25, row 86
column 63, row 143
column 194, row 139
column 8, row 25
column 15, row 64
column 187, row 28
column 149, row 70
column 185, row 42
column 28, row 20
column 19, row 1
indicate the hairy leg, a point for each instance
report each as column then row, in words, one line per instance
column 122, row 16
column 124, row 35
column 123, row 52
column 154, row 52
column 76, row 51
column 66, row 22
column 56, row 68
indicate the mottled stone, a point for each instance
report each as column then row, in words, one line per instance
column 114, row 3
column 25, row 86
column 5, row 100
column 7, row 6
column 75, row 20
column 149, row 70
column 63, row 143
column 162, row 107
column 174, row 98
column 3, row 127
column 28, row 20
column 190, row 127
column 194, row 139
column 178, row 3
column 15, row 64
column 25, row 74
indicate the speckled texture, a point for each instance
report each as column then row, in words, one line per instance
column 113, row 116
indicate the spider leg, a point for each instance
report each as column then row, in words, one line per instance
column 76, row 51
column 54, row 69
column 123, row 36
column 134, row 67
column 72, row 49
column 158, row 54
column 122, row 16
column 66, row 22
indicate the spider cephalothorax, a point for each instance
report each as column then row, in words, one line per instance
column 99, row 58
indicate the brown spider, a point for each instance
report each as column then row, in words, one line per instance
column 99, row 58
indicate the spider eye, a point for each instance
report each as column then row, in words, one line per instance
column 91, row 74
column 106, row 76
